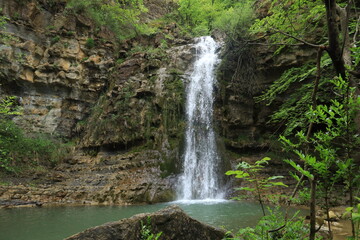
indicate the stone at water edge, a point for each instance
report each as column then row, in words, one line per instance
column 333, row 216
column 171, row 221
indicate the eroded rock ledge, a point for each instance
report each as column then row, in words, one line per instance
column 171, row 221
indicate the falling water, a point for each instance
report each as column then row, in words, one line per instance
column 200, row 178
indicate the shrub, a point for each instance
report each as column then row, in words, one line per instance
column 121, row 17
column 55, row 39
column 275, row 226
column 19, row 152
column 90, row 43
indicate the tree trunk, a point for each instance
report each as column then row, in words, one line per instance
column 312, row 209
column 327, row 207
column 344, row 24
column 334, row 49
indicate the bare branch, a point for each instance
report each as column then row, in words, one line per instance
column 262, row 37
column 298, row 39
column 277, row 44
column 277, row 229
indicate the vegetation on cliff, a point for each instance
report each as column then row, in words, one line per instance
column 21, row 153
column 121, row 17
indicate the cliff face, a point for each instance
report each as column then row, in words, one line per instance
column 242, row 123
column 245, row 72
column 49, row 66
column 122, row 104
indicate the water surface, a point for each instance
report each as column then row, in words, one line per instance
column 55, row 223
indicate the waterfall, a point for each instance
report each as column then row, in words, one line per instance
column 201, row 159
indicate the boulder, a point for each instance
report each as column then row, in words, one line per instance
column 171, row 221
column 333, row 216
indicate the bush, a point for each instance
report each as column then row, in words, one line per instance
column 235, row 21
column 55, row 39
column 121, row 17
column 274, row 226
column 19, row 152
column 90, row 43
column 202, row 16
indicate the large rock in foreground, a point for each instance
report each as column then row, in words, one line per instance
column 171, row 221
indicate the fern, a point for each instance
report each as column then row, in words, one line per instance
column 290, row 76
column 296, row 103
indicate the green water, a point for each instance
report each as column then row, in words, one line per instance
column 55, row 223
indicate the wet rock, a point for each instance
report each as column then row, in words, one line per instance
column 333, row 216
column 105, row 179
column 19, row 203
column 171, row 221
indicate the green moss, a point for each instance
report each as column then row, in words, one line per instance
column 120, row 61
column 5, row 183
column 20, row 151
column 165, row 196
column 175, row 71
column 130, row 118
column 168, row 167
column 140, row 148
column 244, row 138
column 90, row 43
column 55, row 39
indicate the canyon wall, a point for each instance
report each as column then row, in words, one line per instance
column 123, row 104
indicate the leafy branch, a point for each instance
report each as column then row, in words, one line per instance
column 249, row 172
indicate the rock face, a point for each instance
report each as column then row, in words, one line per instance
column 122, row 104
column 243, row 74
column 171, row 221
column 49, row 67
column 105, row 179
column 242, row 123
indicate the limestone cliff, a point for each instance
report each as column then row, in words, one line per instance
column 242, row 123
column 245, row 72
column 121, row 103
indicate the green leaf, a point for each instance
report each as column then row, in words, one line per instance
column 300, row 169
column 244, row 165
column 296, row 177
column 274, row 177
column 246, row 189
column 265, row 160
column 238, row 173
column 355, row 216
column 279, row 184
column 231, row 172
column 349, row 209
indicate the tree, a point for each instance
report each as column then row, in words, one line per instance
column 326, row 162
column 203, row 16
column 291, row 23
column 120, row 16
column 250, row 173
column 7, row 107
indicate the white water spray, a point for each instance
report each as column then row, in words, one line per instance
column 201, row 159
